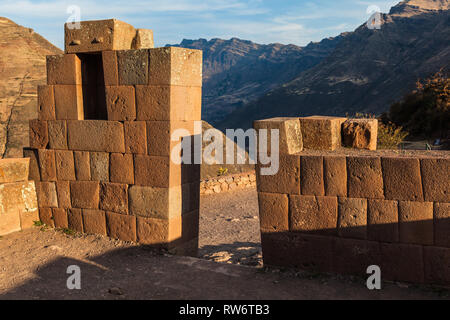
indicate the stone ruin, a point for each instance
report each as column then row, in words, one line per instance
column 100, row 156
column 336, row 209
column 18, row 203
column 100, row 149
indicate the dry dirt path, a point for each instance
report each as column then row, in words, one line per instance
column 33, row 265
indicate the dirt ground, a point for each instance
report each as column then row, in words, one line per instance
column 33, row 265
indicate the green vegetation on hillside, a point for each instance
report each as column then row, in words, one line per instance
column 425, row 112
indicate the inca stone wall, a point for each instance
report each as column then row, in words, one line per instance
column 18, row 202
column 101, row 147
column 228, row 183
column 335, row 209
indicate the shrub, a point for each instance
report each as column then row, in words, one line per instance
column 390, row 136
column 425, row 112
column 222, row 171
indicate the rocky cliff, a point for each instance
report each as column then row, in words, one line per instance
column 22, row 68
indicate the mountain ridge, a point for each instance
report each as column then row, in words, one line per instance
column 367, row 71
column 237, row 71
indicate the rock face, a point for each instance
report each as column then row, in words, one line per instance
column 236, row 72
column 22, row 69
column 367, row 71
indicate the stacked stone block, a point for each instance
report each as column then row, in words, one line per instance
column 101, row 147
column 18, row 203
column 342, row 211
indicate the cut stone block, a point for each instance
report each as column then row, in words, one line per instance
column 17, row 198
column 46, row 103
column 311, row 214
column 75, row 219
column 96, row 135
column 436, row 184
column 307, row 252
column 64, row 69
column 144, row 39
column 156, row 171
column 63, row 192
column 28, row 219
column 46, row 195
column 121, row 226
column 120, row 103
column 382, row 220
column 273, row 212
column 161, row 232
column 287, row 179
column 160, row 203
column 99, row 35
column 69, row 102
column 110, row 68
column 94, row 222
column 160, row 133
column 416, row 222
column 65, row 169
column 335, row 175
column 360, row 133
column 135, row 137
column 354, row 256
column 133, row 67
column 32, row 154
column 175, row 66
column 365, row 179
column 14, row 170
column 290, row 135
column 402, row 262
column 46, row 217
column 321, row 133
column 121, row 168
column 47, row 164
column 57, row 134
column 352, row 222
column 165, row 103
column 38, row 134
column 85, row 194
column 311, row 175
column 82, row 165
column 156, row 232
column 60, row 218
column 437, row 265
column 442, row 224
column 114, row 197
column 402, row 179
column 99, row 162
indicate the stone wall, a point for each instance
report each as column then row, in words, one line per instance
column 18, row 202
column 343, row 210
column 101, row 147
column 228, row 183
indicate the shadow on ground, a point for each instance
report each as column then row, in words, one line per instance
column 139, row 273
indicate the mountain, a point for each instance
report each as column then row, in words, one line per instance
column 367, row 71
column 22, row 68
column 236, row 72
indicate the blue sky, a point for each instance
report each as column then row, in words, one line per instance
column 262, row 21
